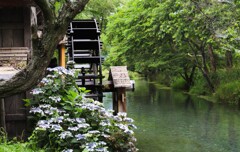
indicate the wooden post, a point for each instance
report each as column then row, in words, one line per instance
column 119, row 100
column 121, row 81
column 114, row 102
column 62, row 60
column 2, row 114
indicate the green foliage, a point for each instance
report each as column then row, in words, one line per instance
column 172, row 36
column 179, row 84
column 17, row 147
column 67, row 121
column 200, row 87
column 13, row 145
column 100, row 10
column 229, row 92
column 134, row 75
column 228, row 89
column 228, row 75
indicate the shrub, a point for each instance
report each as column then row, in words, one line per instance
column 228, row 92
column 228, row 75
column 179, row 84
column 200, row 88
column 67, row 121
column 12, row 145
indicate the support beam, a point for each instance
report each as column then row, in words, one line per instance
column 119, row 100
column 62, row 60
column 2, row 114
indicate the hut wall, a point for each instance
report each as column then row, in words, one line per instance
column 15, row 32
column 15, row 27
column 16, row 116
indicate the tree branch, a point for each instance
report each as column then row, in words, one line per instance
column 43, row 49
column 47, row 11
column 70, row 10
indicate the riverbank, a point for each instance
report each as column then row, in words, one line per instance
column 164, row 87
column 172, row 121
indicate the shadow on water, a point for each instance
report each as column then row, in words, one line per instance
column 169, row 121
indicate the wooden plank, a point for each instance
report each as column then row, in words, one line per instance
column 14, row 48
column 15, row 3
column 120, row 77
column 17, row 129
column 11, row 15
column 15, row 117
column 14, row 52
column 89, row 76
column 14, row 104
column 18, row 38
column 5, row 26
column 7, row 36
column 13, row 55
column 0, row 37
column 27, row 27
column 13, row 58
column 119, row 100
column 2, row 114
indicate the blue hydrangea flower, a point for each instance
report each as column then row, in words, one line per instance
column 67, row 150
column 55, row 98
column 36, row 110
column 37, row 91
column 83, row 125
column 65, row 134
column 73, row 128
column 105, row 123
column 122, row 114
column 56, row 127
column 129, row 120
column 80, row 120
column 94, row 132
column 44, row 124
column 80, row 136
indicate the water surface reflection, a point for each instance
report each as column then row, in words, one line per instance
column 169, row 121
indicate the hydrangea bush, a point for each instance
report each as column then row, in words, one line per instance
column 69, row 122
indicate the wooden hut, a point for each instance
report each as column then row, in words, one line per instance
column 16, row 17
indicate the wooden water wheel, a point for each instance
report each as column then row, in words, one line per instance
column 84, row 48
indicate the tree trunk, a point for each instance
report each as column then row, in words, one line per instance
column 208, row 80
column 229, row 62
column 213, row 64
column 188, row 78
column 204, row 62
column 205, row 70
column 55, row 27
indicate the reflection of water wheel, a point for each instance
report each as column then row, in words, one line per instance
column 84, row 49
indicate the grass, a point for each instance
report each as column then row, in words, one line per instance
column 13, row 145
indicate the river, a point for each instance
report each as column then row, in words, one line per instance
column 170, row 121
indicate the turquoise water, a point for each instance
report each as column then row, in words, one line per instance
column 170, row 121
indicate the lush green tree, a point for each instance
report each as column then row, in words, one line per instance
column 100, row 10
column 180, row 35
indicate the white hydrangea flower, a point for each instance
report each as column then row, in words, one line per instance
column 65, row 134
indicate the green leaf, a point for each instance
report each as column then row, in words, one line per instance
column 67, row 108
column 27, row 102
